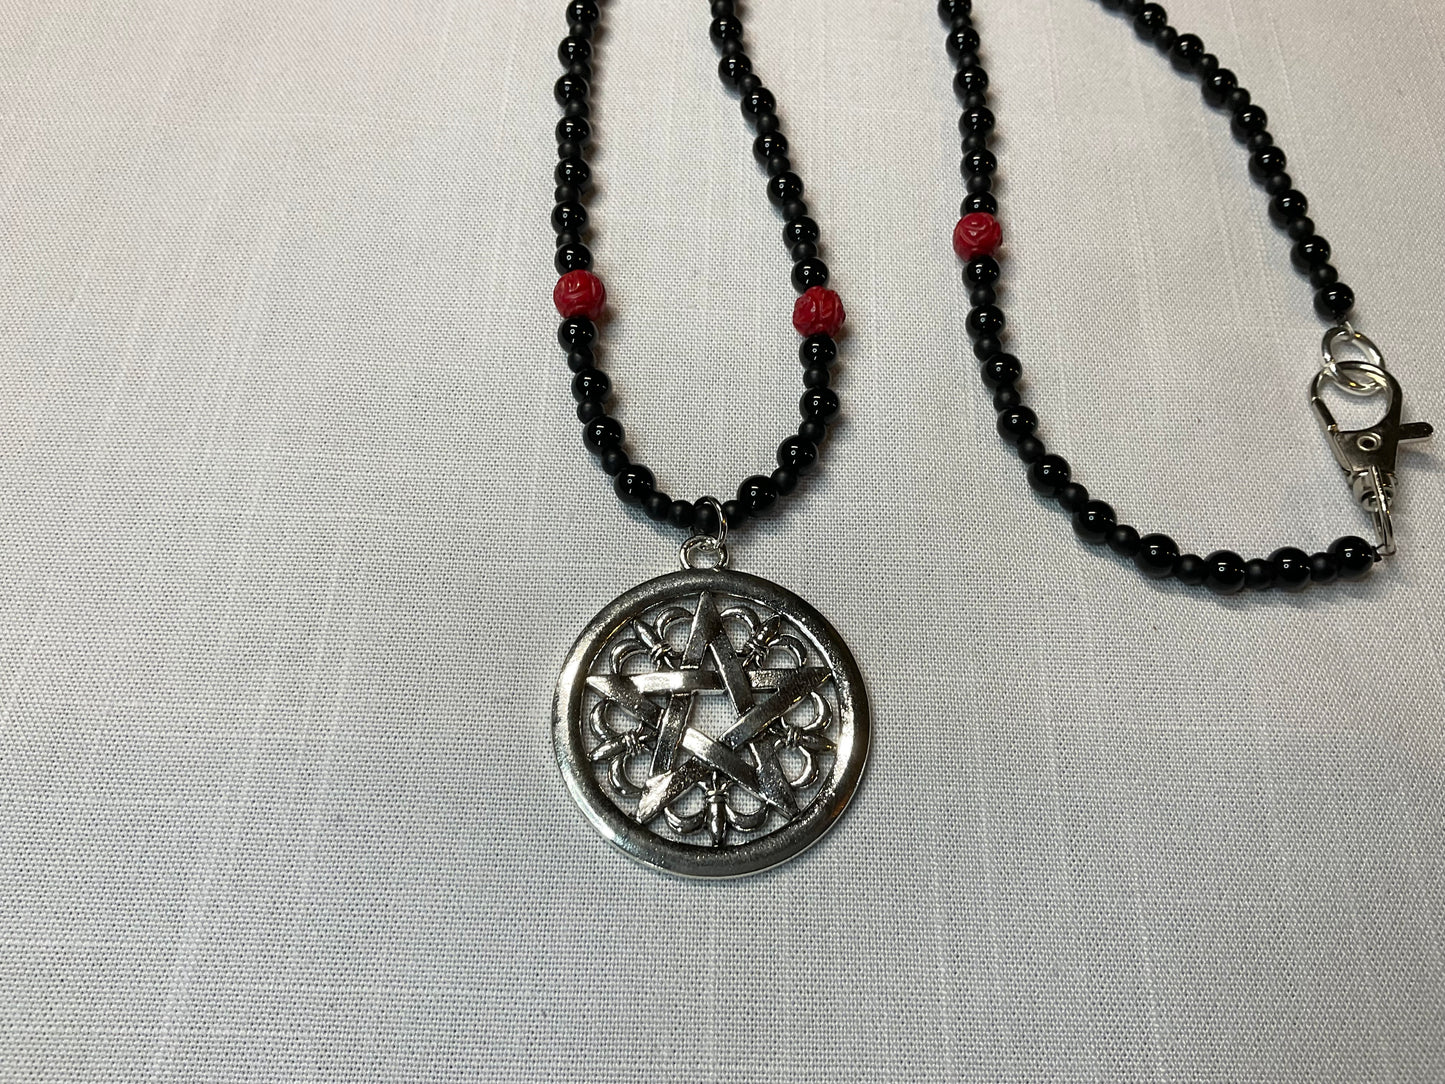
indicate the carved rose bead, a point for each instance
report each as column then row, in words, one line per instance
column 818, row 312
column 976, row 234
column 579, row 293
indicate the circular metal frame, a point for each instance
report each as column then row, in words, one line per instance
column 690, row 860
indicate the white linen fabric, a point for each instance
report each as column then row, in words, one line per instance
column 297, row 529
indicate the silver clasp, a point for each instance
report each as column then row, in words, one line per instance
column 1367, row 456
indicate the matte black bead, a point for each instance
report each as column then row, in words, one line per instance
column 981, row 271
column 766, row 122
column 979, row 201
column 1216, row 86
column 1291, row 568
column 1208, row 64
column 817, row 350
column 1164, row 38
column 568, row 149
column 573, row 130
column 1299, row 228
column 948, row 10
column 1267, row 162
column 1071, row 496
column 568, row 239
column 982, row 162
column 573, row 171
column 1190, row 569
column 1224, row 572
column 758, row 103
column 1323, row 569
column 1323, row 275
column 819, row 403
column 657, row 506
column 1000, row 369
column 724, row 28
column 576, row 332
column 614, row 461
column 719, row 8
column 1257, row 141
column 1016, row 422
column 589, row 410
column 1288, row 206
column 987, row 347
column 681, row 515
column 970, row 81
column 982, row 295
column 602, row 434
column 567, row 193
column 974, row 141
column 1049, row 474
column 804, row 250
column 1259, row 574
column 813, row 430
column 1280, row 182
column 778, row 164
column 704, row 515
column 757, row 494
column 1123, row 540
column 985, row 320
column 1006, row 396
column 809, row 273
column 633, row 483
column 784, row 187
column 961, row 40
column 1236, row 99
column 1310, row 253
column 732, row 69
column 578, row 107
column 581, row 69
column 750, row 82
column 795, row 209
column 1151, row 19
column 1157, row 556
column 785, row 480
column 1354, row 557
column 1247, row 121
column 976, row 184
column 799, row 231
column 1030, row 449
column 1335, row 301
column 1093, row 520
column 1184, row 54
column 572, row 257
column 590, row 384
column 735, row 513
column 797, row 454
column 578, row 360
column 1131, row 7
column 976, row 121
column 569, row 217
column 816, row 377
column 583, row 12
column 769, row 145
column 569, row 88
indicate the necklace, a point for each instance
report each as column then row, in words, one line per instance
column 1367, row 456
column 626, row 725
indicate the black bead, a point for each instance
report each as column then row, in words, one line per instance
column 1224, row 572
column 1016, row 422
column 813, row 430
column 589, row 410
column 981, row 271
column 1280, row 182
column 1190, row 569
column 1030, row 449
column 972, row 142
column 769, row 145
column 657, row 506
column 1354, row 557
column 1110, row 5
column 614, row 461
column 1291, row 568
column 568, row 239
column 757, row 494
column 948, row 10
column 1334, row 302
column 816, row 377
column 976, row 184
column 979, row 162
column 1288, row 206
column 719, row 8
column 1000, row 369
column 569, row 217
column 785, row 480
column 1164, row 38
column 1071, row 496
column 1298, row 229
column 804, row 250
column 1257, row 141
column 572, row 257
column 732, row 69
column 573, row 171
column 800, row 231
column 569, row 149
column 1184, row 54
column 1208, row 64
column 987, row 347
column 818, row 403
column 979, row 201
column 766, row 122
column 1247, row 121
column 1093, row 520
column 578, row 107
column 794, row 209
column 1259, row 574
column 817, row 350
column 1309, row 253
column 578, row 360
column 728, row 27
column 569, row 88
column 976, row 121
column 1216, row 86
column 681, row 515
column 985, row 320
column 1323, row 275
column 1323, row 569
column 1049, row 474
column 734, row 513
column 809, row 273
column 1151, row 19
column 704, row 516
column 1266, row 163
column 961, row 40
column 778, row 164
column 633, row 483
column 573, row 49
column 982, row 295
column 1236, row 99
column 970, row 81
column 797, row 454
column 583, row 12
column 567, row 193
column 1006, row 396
column 576, row 332
column 758, row 103
column 1157, row 556
column 602, row 434
column 1123, row 540
column 581, row 69
column 573, row 130
column 590, row 384
column 784, row 187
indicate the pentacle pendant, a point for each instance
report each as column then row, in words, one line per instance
column 710, row 723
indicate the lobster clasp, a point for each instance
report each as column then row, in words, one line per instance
column 1367, row 456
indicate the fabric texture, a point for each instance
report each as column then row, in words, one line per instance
column 297, row 529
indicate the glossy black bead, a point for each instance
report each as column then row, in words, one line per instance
column 1323, row 569
column 570, row 50
column 572, row 257
column 583, row 12
column 1151, row 19
column 1190, row 569
column 1248, row 121
column 576, row 333
column 817, row 350
column 961, row 40
column 982, row 295
column 569, row 217
column 949, row 10
column 681, row 515
column 818, row 403
column 1157, row 556
column 1184, row 54
column 1334, row 302
column 1297, row 229
column 614, row 461
column 817, row 377
column 633, row 483
column 757, row 103
column 769, row 145
column 803, row 251
column 1123, row 540
column 987, row 347
column 573, row 171
column 1049, row 474
column 970, row 81
column 569, row 88
column 1280, row 182
column 757, row 494
column 1267, row 162
column 1217, row 85
column 1291, row 568
column 590, row 385
column 1093, row 520
column 725, row 28
column 1000, row 369
column 590, row 409
column 979, row 162
column 1259, row 574
column 976, row 121
column 1006, row 396
column 1030, row 449
column 1224, row 572
column 735, row 513
column 785, row 480
column 797, row 454
column 1323, row 275
column 578, row 360
column 1288, row 206
column 1015, row 423
column 979, row 201
column 1072, row 496
column 800, row 231
column 985, row 320
column 1354, row 557
column 981, row 271
column 573, row 130
column 1310, row 253
column 732, row 69
column 784, row 187
column 813, row 430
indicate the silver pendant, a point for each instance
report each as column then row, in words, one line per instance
column 671, row 791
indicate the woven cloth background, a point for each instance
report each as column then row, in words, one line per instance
column 297, row 529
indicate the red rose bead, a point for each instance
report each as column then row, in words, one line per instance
column 818, row 312
column 579, row 293
column 976, row 234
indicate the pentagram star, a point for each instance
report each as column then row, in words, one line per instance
column 684, row 756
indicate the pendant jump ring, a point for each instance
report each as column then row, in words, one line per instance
column 703, row 551
column 720, row 536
